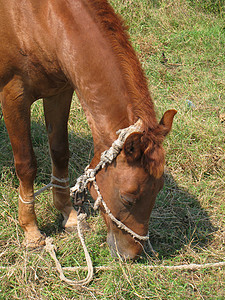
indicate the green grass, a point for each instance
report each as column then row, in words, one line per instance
column 187, row 224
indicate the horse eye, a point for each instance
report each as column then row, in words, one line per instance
column 128, row 200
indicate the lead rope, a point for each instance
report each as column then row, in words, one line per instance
column 51, row 249
column 47, row 186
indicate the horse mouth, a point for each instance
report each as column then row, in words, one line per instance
column 122, row 249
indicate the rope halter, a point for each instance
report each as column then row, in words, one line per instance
column 89, row 176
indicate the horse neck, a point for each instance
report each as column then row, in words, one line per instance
column 89, row 62
column 96, row 72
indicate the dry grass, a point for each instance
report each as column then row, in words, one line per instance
column 187, row 224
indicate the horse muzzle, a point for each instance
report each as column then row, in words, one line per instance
column 123, row 246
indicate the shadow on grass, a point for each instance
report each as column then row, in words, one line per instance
column 177, row 219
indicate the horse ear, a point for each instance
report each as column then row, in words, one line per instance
column 167, row 120
column 132, row 146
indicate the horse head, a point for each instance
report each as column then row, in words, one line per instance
column 129, row 186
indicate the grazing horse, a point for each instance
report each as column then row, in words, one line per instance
column 51, row 48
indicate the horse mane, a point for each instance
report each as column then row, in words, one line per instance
column 115, row 30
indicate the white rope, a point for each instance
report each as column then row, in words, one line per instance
column 61, row 180
column 50, row 248
column 118, row 223
column 186, row 267
column 26, row 202
column 191, row 267
column 47, row 186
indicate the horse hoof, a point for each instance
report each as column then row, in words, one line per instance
column 34, row 242
column 70, row 229
column 84, row 227
column 70, row 221
column 70, row 225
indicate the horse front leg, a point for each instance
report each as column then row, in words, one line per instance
column 16, row 112
column 56, row 116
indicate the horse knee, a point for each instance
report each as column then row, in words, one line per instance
column 60, row 156
column 26, row 169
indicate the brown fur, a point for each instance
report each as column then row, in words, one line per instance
column 49, row 49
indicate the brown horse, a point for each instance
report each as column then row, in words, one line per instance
column 51, row 48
